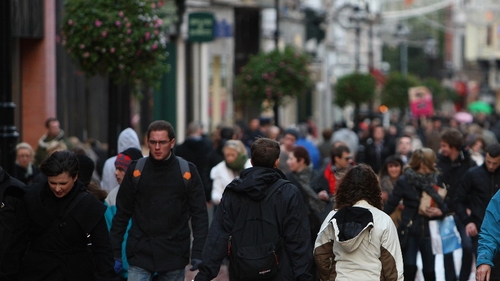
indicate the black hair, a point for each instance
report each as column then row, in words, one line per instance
column 338, row 150
column 60, row 162
column 49, row 120
column 493, row 150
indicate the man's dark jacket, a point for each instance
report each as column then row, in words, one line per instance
column 474, row 193
column 160, row 207
column 296, row 256
column 11, row 194
column 197, row 151
column 452, row 172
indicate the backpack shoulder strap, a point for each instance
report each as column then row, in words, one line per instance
column 276, row 185
column 138, row 167
column 185, row 171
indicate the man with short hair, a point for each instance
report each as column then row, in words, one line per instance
column 477, row 188
column 196, row 149
column 54, row 133
column 341, row 161
column 404, row 148
column 377, row 149
column 453, row 162
column 290, row 137
column 161, row 204
column 295, row 257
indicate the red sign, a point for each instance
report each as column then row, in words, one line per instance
column 420, row 102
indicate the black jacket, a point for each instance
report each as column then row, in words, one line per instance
column 474, row 193
column 160, row 207
column 68, row 237
column 197, row 151
column 11, row 194
column 296, row 257
column 452, row 172
column 370, row 154
column 411, row 201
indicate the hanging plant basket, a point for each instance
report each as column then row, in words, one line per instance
column 124, row 39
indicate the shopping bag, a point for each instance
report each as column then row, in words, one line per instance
column 437, row 245
column 450, row 237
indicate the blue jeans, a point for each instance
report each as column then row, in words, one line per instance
column 136, row 273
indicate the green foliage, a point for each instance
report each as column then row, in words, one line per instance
column 356, row 88
column 121, row 38
column 274, row 75
column 395, row 91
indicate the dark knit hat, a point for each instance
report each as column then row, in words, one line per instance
column 126, row 157
column 292, row 132
column 87, row 167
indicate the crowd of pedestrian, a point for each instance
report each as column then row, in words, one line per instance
column 346, row 205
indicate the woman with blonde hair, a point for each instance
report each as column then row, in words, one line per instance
column 235, row 160
column 25, row 170
column 419, row 177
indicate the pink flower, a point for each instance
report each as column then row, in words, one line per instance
column 265, row 76
column 118, row 23
column 120, row 13
column 156, row 32
column 147, row 35
column 112, row 50
column 104, row 33
column 98, row 23
column 154, row 46
column 128, row 24
column 71, row 23
column 129, row 31
column 153, row 6
column 82, row 46
column 86, row 54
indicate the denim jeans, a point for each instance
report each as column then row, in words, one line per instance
column 416, row 244
column 140, row 274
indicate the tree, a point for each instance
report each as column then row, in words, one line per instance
column 357, row 88
column 395, row 91
column 274, row 75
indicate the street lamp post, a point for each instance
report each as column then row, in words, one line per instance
column 8, row 133
column 402, row 33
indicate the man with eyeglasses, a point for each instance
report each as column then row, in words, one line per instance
column 161, row 206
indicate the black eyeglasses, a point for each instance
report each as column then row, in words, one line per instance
column 161, row 142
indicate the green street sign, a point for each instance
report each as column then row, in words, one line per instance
column 201, row 27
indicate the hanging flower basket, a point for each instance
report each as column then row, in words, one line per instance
column 274, row 75
column 123, row 39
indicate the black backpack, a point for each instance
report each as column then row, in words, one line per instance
column 255, row 242
column 184, row 165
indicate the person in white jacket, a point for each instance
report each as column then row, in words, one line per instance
column 128, row 138
column 357, row 240
column 235, row 160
